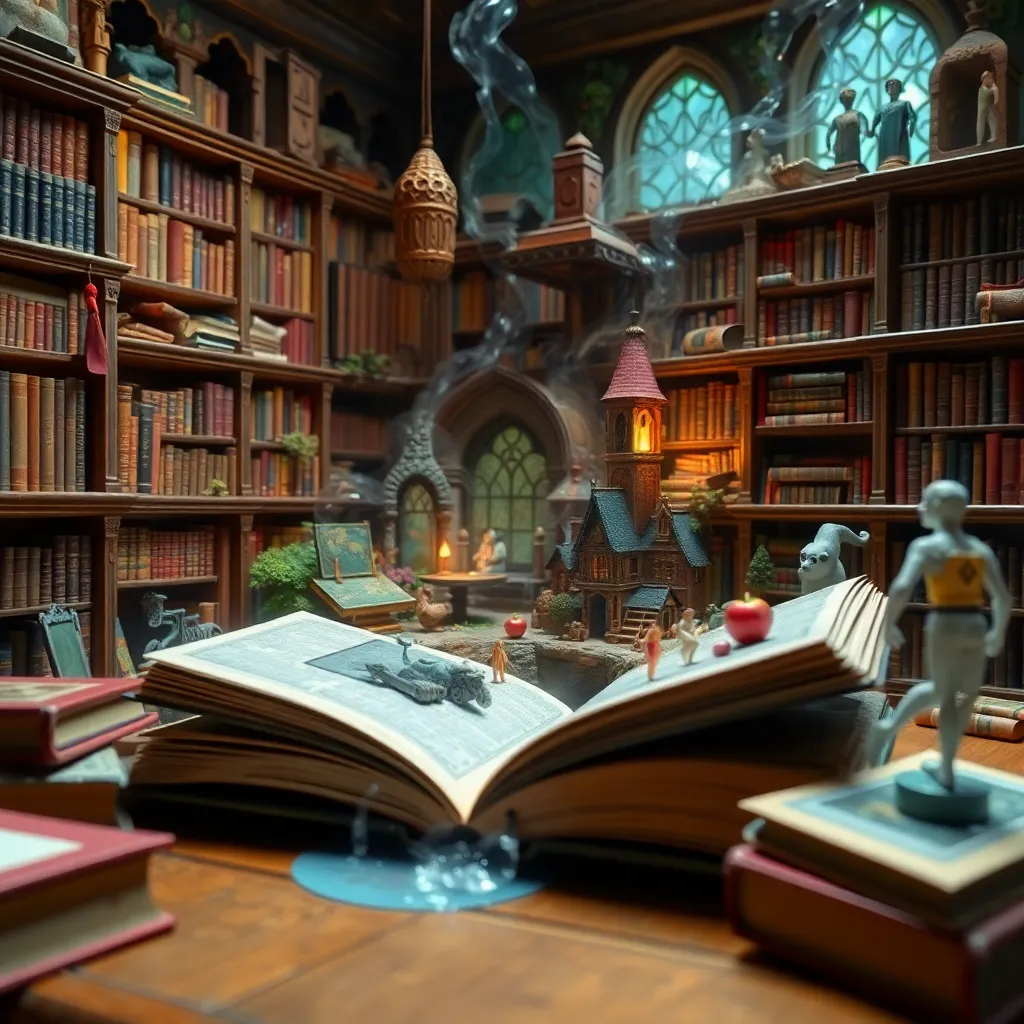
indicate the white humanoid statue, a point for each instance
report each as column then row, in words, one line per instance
column 959, row 572
column 988, row 100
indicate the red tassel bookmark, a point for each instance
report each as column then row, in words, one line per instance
column 95, row 343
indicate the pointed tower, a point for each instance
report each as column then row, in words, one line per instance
column 633, row 405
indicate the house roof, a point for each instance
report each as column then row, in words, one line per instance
column 563, row 551
column 633, row 376
column 647, row 598
column 689, row 541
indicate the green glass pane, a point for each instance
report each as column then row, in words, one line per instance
column 522, row 514
column 480, row 518
column 535, row 465
column 500, row 515
column 521, row 486
column 521, row 550
column 416, row 542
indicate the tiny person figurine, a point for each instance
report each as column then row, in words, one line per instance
column 894, row 124
column 959, row 571
column 499, row 662
column 689, row 632
column 847, row 128
column 485, row 553
column 988, row 100
column 652, row 650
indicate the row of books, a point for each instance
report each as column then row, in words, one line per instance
column 45, row 194
column 364, row 245
column 42, row 433
column 58, row 571
column 158, row 174
column 23, row 649
column 278, row 475
column 525, row 357
column 718, row 274
column 211, row 104
column 946, row 394
column 280, row 277
column 280, row 215
column 47, row 320
column 1008, row 555
column 476, row 296
column 990, row 467
column 298, row 345
column 705, row 412
column 792, row 321
column 691, row 472
column 785, row 556
column 358, row 431
column 817, row 254
column 984, row 225
column 702, row 318
column 813, row 480
column 191, row 472
column 945, row 296
column 814, row 399
column 207, row 409
column 163, row 249
column 371, row 311
column 274, row 412
column 261, row 538
column 145, row 554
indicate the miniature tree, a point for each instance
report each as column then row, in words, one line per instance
column 761, row 574
column 284, row 575
column 560, row 610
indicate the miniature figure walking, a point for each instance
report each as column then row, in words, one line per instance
column 958, row 570
column 652, row 650
column 499, row 662
column 988, row 100
column 688, row 633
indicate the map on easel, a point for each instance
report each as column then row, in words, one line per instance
column 344, row 550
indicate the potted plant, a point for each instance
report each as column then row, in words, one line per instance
column 284, row 575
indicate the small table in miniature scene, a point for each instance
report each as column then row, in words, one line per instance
column 459, row 584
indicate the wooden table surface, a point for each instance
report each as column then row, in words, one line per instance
column 250, row 947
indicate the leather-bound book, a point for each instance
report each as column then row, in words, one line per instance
column 32, row 413
column 70, row 412
column 46, row 429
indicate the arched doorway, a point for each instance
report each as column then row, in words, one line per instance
column 597, row 615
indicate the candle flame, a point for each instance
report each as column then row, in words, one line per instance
column 445, row 551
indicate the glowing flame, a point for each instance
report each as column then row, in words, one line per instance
column 444, row 551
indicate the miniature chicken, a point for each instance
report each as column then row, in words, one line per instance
column 652, row 650
column 499, row 661
column 430, row 614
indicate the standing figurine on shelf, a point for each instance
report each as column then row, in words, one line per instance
column 847, row 128
column 959, row 571
column 894, row 124
column 652, row 650
column 485, row 553
column 499, row 662
column 988, row 100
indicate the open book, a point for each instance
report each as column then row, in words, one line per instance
column 290, row 704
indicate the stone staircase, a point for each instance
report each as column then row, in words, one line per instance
column 635, row 624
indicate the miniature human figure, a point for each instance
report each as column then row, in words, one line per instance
column 988, row 100
column 894, row 124
column 499, row 555
column 485, row 553
column 847, row 128
column 499, row 661
column 755, row 160
column 958, row 570
column 652, row 650
column 688, row 632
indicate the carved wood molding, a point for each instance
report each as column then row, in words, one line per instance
column 112, row 120
column 112, row 289
column 111, row 527
column 591, row 250
column 245, row 523
column 247, row 172
column 246, row 383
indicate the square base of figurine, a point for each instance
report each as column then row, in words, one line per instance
column 10, row 29
column 848, row 169
column 892, row 163
column 920, row 795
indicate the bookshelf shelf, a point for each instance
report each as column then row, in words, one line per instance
column 696, row 305
column 17, row 613
column 158, row 356
column 281, row 243
column 266, row 446
column 952, row 261
column 208, row 225
column 982, row 428
column 697, row 445
column 837, row 284
column 864, row 429
column 176, row 294
column 182, row 440
column 266, row 309
column 57, row 363
column 50, row 261
column 171, row 581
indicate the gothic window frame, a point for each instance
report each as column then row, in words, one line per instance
column 810, row 56
column 661, row 75
column 417, row 483
column 643, row 422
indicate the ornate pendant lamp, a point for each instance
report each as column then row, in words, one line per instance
column 426, row 202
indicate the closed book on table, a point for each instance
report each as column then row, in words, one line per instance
column 55, row 721
column 69, row 892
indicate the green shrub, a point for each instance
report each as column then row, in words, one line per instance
column 284, row 575
column 560, row 610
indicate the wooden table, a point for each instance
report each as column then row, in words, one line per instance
column 252, row 948
column 458, row 584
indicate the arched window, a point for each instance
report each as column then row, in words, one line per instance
column 523, row 165
column 417, row 536
column 890, row 39
column 620, row 432
column 510, row 488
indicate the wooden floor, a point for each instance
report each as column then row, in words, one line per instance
column 250, row 947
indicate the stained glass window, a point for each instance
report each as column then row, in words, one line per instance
column 523, row 164
column 684, row 145
column 888, row 40
column 510, row 488
column 417, row 529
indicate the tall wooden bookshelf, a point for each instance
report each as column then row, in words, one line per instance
column 882, row 336
column 139, row 535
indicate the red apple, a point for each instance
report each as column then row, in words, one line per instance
column 748, row 621
column 515, row 626
column 721, row 648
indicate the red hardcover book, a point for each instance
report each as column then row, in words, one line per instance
column 877, row 951
column 69, row 892
column 47, row 722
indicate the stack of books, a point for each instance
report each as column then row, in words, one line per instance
column 928, row 918
column 266, row 340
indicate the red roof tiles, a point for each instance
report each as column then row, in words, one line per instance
column 634, row 376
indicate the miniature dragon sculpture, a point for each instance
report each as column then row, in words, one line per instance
column 431, row 682
column 184, row 628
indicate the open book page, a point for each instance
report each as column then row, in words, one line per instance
column 319, row 665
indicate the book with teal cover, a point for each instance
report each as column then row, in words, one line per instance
column 57, row 212
column 361, row 594
column 344, row 549
column 69, row 213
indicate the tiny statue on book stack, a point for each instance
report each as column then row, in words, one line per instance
column 847, row 129
column 959, row 571
column 820, row 566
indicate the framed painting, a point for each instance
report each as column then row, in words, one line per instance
column 344, row 550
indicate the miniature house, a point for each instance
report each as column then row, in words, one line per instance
column 634, row 560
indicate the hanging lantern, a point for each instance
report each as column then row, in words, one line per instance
column 426, row 201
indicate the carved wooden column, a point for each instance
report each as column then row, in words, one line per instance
column 741, row 557
column 104, row 596
column 744, row 419
column 748, row 286
column 877, row 561
column 880, row 440
column 243, row 432
column 241, row 551
column 228, row 615
column 243, row 255
column 884, row 268
column 323, row 430
column 321, row 240
column 104, row 176
column 101, row 402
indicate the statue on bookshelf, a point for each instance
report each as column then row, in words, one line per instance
column 847, row 129
column 755, row 172
column 894, row 124
column 988, row 101
column 145, row 63
column 820, row 566
column 959, row 572
column 39, row 18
